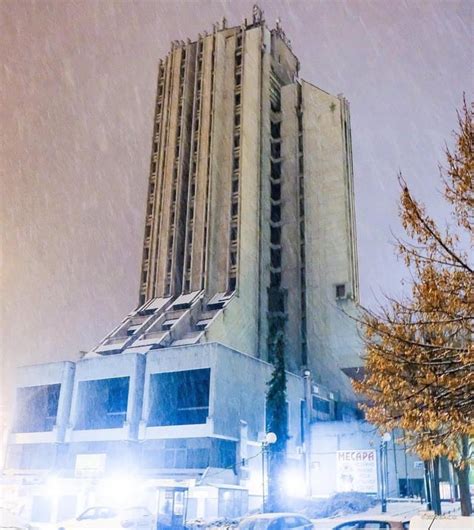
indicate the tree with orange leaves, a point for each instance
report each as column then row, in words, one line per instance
column 419, row 349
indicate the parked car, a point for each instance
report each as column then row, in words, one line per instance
column 276, row 521
column 10, row 521
column 368, row 522
column 107, row 518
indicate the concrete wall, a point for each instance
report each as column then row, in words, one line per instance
column 332, row 337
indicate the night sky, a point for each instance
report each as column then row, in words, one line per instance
column 77, row 90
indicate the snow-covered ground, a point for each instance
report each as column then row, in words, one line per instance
column 396, row 510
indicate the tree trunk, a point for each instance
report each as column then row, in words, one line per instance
column 462, row 474
column 463, row 482
column 435, row 493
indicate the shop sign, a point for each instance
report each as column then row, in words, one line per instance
column 90, row 465
column 356, row 471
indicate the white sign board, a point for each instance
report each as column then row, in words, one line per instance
column 90, row 465
column 356, row 471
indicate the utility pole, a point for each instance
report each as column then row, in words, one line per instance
column 270, row 438
column 384, row 471
column 306, row 430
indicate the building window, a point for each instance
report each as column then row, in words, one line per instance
column 276, row 150
column 301, row 165
column 321, row 405
column 275, row 129
column 340, row 291
column 275, row 213
column 179, row 398
column 275, row 170
column 275, row 279
column 275, row 235
column 37, row 407
column 102, row 403
column 275, row 257
column 232, row 284
column 276, row 300
column 275, row 191
column 235, row 186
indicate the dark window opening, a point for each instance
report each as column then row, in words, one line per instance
column 275, row 105
column 340, row 291
column 321, row 405
column 275, row 235
column 238, row 59
column 237, row 120
column 276, row 170
column 237, row 99
column 238, row 79
column 233, row 233
column 147, row 230
column 232, row 284
column 276, row 129
column 275, row 191
column 233, row 258
column 179, row 398
column 275, row 279
column 235, row 164
column 275, row 213
column 103, row 403
column 37, row 408
column 276, row 300
column 236, row 140
column 235, row 186
column 301, row 165
column 234, row 209
column 275, row 258
column 276, row 150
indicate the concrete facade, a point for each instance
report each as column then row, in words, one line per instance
column 250, row 213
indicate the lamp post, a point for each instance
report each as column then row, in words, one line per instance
column 270, row 438
column 384, row 471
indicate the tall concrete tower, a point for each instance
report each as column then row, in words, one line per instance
column 250, row 211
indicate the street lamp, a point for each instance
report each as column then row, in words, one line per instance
column 384, row 471
column 270, row 438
